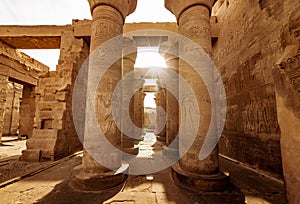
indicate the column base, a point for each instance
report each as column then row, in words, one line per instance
column 83, row 181
column 194, row 182
column 133, row 150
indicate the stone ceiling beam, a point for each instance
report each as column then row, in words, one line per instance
column 32, row 37
column 49, row 36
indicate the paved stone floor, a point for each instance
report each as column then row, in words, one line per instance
column 11, row 147
column 51, row 185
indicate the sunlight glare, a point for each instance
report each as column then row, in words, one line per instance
column 149, row 57
column 149, row 100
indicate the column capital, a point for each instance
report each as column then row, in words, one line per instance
column 177, row 7
column 125, row 7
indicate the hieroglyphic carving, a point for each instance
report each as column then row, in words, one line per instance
column 291, row 67
column 251, row 98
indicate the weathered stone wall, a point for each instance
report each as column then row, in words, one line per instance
column 55, row 135
column 12, row 107
column 252, row 37
column 16, row 67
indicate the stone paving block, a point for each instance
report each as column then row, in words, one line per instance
column 31, row 155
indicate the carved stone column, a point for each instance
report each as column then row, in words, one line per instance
column 27, row 111
column 160, row 128
column 288, row 110
column 172, row 123
column 108, row 19
column 193, row 21
column 139, row 97
column 128, row 66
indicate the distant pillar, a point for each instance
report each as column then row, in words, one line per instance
column 27, row 112
column 139, row 97
column 108, row 20
column 128, row 66
column 3, row 94
column 160, row 126
column 172, row 108
column 193, row 17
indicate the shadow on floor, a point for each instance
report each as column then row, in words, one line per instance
column 63, row 193
column 137, row 189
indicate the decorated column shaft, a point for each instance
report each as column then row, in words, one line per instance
column 172, row 108
column 160, row 126
column 129, row 84
column 193, row 17
column 139, row 97
column 107, row 23
column 108, row 19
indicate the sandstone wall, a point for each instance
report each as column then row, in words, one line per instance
column 54, row 135
column 252, row 37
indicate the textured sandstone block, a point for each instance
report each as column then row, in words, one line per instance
column 40, row 133
column 31, row 155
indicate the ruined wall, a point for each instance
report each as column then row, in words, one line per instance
column 54, row 135
column 12, row 108
column 18, row 67
column 250, row 42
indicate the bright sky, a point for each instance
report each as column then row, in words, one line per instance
column 61, row 12
column 148, row 57
column 149, row 100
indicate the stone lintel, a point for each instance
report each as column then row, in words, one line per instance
column 17, row 72
column 49, row 37
column 32, row 37
column 17, row 56
column 130, row 27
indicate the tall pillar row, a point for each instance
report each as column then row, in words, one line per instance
column 172, row 108
column 108, row 19
column 3, row 94
column 139, row 97
column 128, row 141
column 160, row 126
column 190, row 172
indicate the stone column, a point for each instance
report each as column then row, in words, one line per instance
column 139, row 97
column 172, row 107
column 3, row 93
column 128, row 66
column 288, row 112
column 27, row 112
column 108, row 19
column 193, row 17
column 160, row 126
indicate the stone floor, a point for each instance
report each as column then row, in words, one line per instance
column 11, row 147
column 50, row 184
